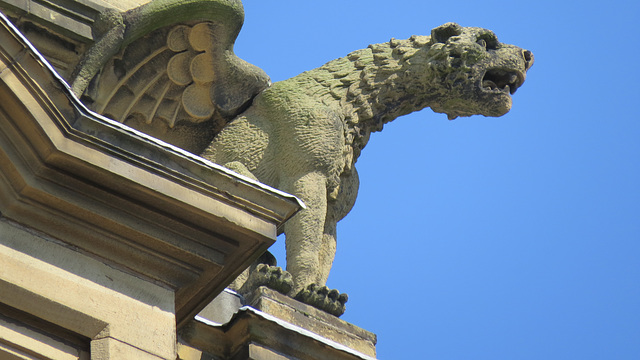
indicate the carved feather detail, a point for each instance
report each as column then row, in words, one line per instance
column 165, row 76
column 167, row 68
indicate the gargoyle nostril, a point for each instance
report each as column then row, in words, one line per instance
column 528, row 58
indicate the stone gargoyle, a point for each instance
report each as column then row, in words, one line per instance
column 167, row 68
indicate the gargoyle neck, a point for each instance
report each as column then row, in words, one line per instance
column 369, row 87
column 385, row 91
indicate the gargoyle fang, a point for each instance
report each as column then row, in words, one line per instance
column 504, row 80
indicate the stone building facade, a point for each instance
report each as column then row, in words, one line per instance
column 114, row 244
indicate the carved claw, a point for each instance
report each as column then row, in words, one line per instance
column 323, row 298
column 272, row 277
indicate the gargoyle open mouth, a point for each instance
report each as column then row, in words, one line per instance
column 503, row 80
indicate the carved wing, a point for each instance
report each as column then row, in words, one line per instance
column 180, row 82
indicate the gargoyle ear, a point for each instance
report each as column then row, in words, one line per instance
column 444, row 32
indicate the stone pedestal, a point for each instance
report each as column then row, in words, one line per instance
column 314, row 320
column 272, row 327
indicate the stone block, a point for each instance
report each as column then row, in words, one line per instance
column 314, row 320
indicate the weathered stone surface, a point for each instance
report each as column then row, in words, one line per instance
column 271, row 276
column 321, row 297
column 263, row 272
column 304, row 135
column 120, row 313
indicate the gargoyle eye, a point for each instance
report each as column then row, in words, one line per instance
column 442, row 33
column 488, row 41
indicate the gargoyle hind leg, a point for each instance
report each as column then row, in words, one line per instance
column 309, row 255
column 318, row 294
column 304, row 232
column 328, row 250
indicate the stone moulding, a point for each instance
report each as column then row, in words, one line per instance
column 60, row 29
column 253, row 334
column 310, row 318
column 72, row 21
column 106, row 190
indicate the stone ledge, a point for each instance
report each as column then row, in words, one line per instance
column 312, row 319
column 253, row 334
column 138, row 204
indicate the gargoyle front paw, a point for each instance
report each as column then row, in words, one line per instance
column 323, row 298
column 272, row 277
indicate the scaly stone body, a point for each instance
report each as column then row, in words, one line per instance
column 304, row 135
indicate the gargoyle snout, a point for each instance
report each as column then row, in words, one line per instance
column 528, row 59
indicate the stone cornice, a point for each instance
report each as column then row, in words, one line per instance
column 139, row 204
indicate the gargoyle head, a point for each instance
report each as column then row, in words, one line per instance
column 474, row 73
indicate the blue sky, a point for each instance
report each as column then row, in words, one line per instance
column 488, row 238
